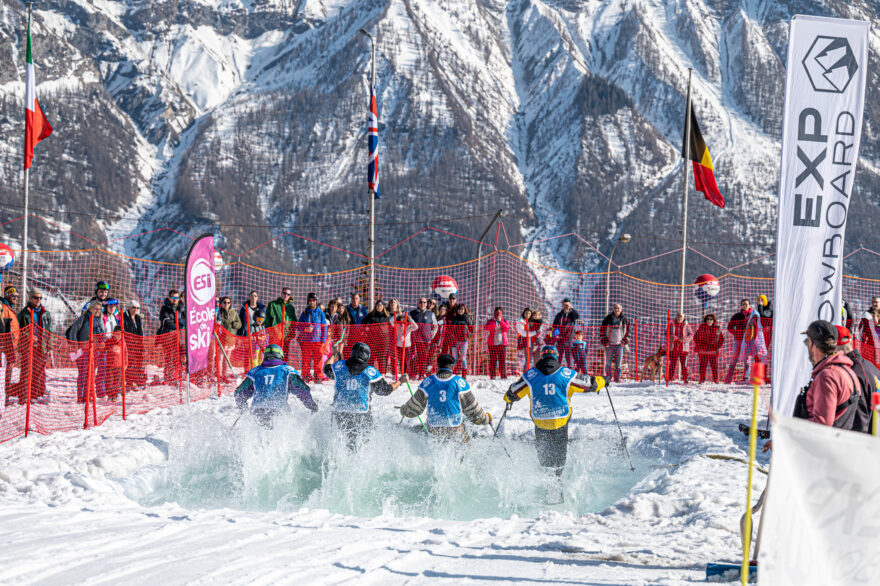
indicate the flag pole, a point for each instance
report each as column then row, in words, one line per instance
column 684, row 189
column 372, row 240
column 24, row 228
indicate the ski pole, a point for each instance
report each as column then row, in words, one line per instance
column 411, row 394
column 622, row 439
column 503, row 415
column 495, row 431
column 236, row 420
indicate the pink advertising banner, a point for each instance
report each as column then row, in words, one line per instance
column 201, row 292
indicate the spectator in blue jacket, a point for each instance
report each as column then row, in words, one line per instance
column 312, row 335
column 357, row 311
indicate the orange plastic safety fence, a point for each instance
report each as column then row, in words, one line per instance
column 50, row 383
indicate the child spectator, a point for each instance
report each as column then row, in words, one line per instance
column 259, row 337
column 579, row 352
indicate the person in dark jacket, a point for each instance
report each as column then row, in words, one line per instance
column 460, row 325
column 708, row 341
column 376, row 336
column 133, row 326
column 34, row 312
column 868, row 376
column 614, row 336
column 246, row 313
column 80, row 332
column 172, row 318
column 563, row 331
column 763, row 307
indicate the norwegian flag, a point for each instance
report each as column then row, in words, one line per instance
column 373, row 145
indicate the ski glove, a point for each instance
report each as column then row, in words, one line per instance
column 509, row 397
column 489, row 418
column 599, row 383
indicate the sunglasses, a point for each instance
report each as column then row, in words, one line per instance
column 36, row 296
column 175, row 298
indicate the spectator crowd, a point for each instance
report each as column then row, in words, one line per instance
column 402, row 340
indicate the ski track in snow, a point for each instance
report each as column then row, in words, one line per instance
column 67, row 516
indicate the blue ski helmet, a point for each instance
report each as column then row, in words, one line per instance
column 273, row 352
column 550, row 350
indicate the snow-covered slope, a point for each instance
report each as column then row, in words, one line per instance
column 567, row 114
column 178, row 495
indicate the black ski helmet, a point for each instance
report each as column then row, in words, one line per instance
column 360, row 352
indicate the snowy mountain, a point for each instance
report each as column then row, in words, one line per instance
column 567, row 114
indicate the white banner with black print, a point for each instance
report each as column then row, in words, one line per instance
column 822, row 513
column 822, row 125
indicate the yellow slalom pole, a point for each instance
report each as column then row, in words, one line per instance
column 757, row 379
column 875, row 405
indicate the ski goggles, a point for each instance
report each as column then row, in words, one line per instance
column 102, row 285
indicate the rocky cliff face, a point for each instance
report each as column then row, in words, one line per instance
column 567, row 114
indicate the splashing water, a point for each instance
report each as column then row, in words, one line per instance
column 303, row 462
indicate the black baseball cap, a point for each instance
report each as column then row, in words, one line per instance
column 822, row 332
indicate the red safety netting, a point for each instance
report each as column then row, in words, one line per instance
column 51, row 383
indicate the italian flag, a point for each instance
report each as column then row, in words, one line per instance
column 36, row 126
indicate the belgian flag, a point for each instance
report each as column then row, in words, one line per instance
column 704, row 172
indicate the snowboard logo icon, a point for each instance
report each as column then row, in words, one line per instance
column 830, row 64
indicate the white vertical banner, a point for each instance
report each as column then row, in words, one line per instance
column 821, row 523
column 822, row 125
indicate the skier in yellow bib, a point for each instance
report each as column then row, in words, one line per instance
column 550, row 387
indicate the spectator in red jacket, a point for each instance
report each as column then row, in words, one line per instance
column 832, row 396
column 679, row 334
column 497, row 342
column 869, row 332
column 708, row 341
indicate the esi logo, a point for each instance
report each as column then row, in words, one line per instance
column 201, row 281
column 830, row 64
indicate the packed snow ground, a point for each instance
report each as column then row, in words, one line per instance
column 179, row 496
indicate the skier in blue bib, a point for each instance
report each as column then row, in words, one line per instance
column 355, row 383
column 269, row 384
column 447, row 397
column 550, row 387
